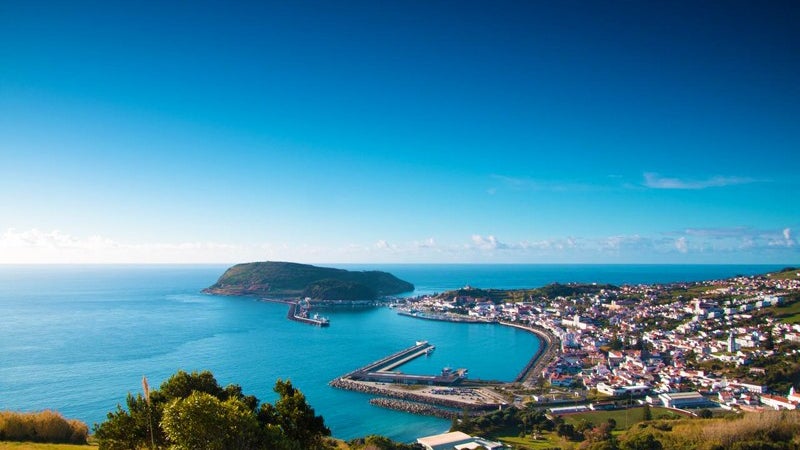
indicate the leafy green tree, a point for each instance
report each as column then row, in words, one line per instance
column 769, row 343
column 601, row 445
column 601, row 433
column 296, row 419
column 583, row 425
column 126, row 429
column 191, row 410
column 182, row 385
column 642, row 442
column 647, row 414
column 204, row 422
column 465, row 422
column 565, row 430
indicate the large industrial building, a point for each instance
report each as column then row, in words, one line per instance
column 683, row 400
column 456, row 440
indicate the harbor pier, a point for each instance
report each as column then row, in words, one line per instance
column 382, row 370
column 299, row 314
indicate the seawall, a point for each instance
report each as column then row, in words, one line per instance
column 542, row 358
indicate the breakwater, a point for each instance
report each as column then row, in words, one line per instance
column 302, row 316
column 392, row 360
column 414, row 408
column 375, row 389
column 546, row 353
column 381, row 370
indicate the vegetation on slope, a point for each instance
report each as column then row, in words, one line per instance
column 10, row 445
column 768, row 430
column 549, row 291
column 44, row 426
column 336, row 289
column 284, row 279
column 192, row 411
column 633, row 429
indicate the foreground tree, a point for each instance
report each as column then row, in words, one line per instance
column 192, row 411
column 203, row 422
column 131, row 428
column 295, row 418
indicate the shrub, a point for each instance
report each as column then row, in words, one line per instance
column 44, row 426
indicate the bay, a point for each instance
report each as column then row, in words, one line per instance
column 77, row 339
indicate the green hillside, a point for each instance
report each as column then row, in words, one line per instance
column 285, row 279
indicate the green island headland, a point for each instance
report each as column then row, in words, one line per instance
column 284, row 280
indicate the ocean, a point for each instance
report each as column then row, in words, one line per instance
column 77, row 339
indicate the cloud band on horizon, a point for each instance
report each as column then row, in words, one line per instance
column 655, row 181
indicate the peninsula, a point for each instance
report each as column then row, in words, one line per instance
column 285, row 280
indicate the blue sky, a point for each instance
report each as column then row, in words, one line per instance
column 537, row 132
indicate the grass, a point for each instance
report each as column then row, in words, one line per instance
column 37, row 446
column 526, row 443
column 624, row 418
column 691, row 292
column 787, row 313
column 552, row 440
column 511, row 436
column 787, row 275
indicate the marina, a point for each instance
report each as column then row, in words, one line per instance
column 440, row 317
column 382, row 371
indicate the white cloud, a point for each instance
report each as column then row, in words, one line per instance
column 787, row 235
column 784, row 239
column 681, row 245
column 531, row 184
column 427, row 243
column 723, row 240
column 385, row 245
column 486, row 243
column 36, row 246
column 624, row 241
column 704, row 244
column 656, row 181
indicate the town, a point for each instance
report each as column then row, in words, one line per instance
column 732, row 344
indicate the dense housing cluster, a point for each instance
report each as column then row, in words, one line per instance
column 731, row 343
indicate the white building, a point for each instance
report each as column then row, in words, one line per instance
column 732, row 347
column 456, row 440
column 684, row 400
column 777, row 402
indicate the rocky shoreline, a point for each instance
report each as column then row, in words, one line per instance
column 414, row 408
column 342, row 383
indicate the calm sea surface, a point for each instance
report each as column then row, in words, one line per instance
column 77, row 339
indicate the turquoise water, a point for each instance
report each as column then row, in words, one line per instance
column 79, row 338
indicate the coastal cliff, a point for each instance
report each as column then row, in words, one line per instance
column 285, row 279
